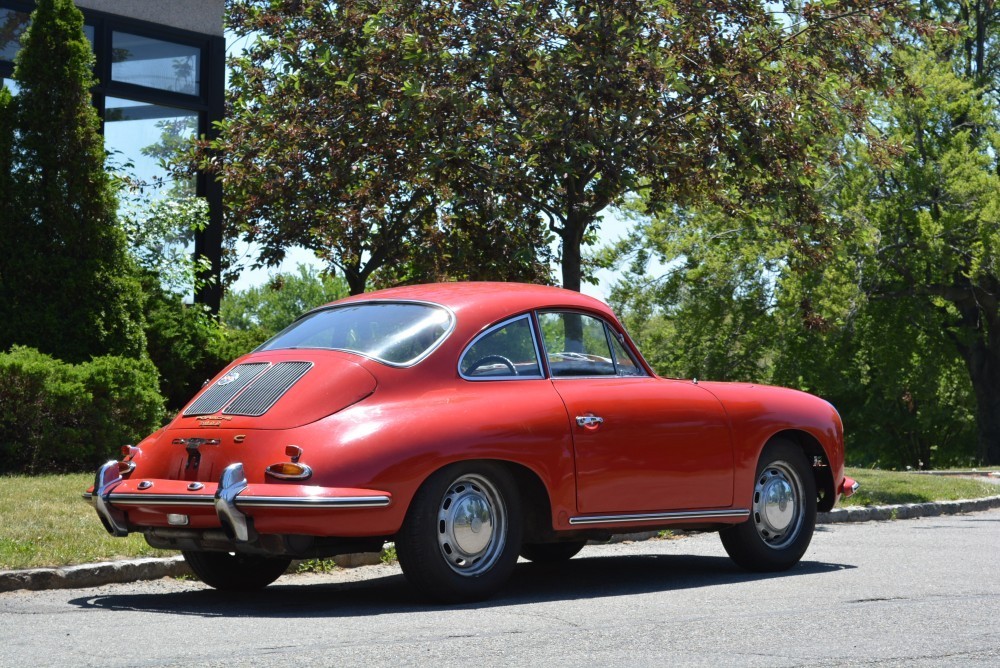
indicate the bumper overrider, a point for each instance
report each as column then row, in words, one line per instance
column 232, row 502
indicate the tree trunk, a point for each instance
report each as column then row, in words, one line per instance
column 572, row 253
column 983, row 363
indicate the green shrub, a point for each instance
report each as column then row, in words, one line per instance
column 56, row 416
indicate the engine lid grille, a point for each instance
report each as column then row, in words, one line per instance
column 266, row 391
column 227, row 387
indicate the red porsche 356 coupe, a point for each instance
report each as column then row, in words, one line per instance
column 470, row 423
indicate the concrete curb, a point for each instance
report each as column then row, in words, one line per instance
column 132, row 570
column 907, row 511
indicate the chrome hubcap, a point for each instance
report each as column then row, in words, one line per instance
column 777, row 505
column 472, row 525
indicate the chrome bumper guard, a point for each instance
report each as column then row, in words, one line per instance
column 231, row 484
column 108, row 477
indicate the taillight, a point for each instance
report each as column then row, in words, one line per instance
column 289, row 471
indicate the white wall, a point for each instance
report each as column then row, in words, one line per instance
column 204, row 16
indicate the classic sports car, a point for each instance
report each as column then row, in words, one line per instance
column 470, row 423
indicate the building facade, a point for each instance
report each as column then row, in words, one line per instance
column 160, row 68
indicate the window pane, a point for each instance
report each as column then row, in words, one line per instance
column 576, row 345
column 397, row 333
column 12, row 24
column 506, row 351
column 626, row 365
column 140, row 136
column 155, row 63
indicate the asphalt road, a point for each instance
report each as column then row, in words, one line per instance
column 915, row 592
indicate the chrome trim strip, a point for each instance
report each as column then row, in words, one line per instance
column 375, row 501
column 163, row 499
column 652, row 517
column 313, row 501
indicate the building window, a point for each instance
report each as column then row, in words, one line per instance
column 12, row 24
column 157, row 86
column 142, row 135
column 155, row 63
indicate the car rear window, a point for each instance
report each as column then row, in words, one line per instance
column 397, row 333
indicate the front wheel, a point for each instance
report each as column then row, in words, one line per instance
column 234, row 571
column 783, row 514
column 461, row 535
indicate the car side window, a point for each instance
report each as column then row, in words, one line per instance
column 576, row 345
column 505, row 351
column 623, row 360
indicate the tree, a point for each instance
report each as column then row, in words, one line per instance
column 338, row 131
column 356, row 124
column 70, row 289
column 717, row 101
column 8, row 205
column 934, row 217
column 895, row 318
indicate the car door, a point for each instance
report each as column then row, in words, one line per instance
column 642, row 444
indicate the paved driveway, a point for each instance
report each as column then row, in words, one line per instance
column 915, row 592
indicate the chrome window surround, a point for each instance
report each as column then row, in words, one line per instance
column 490, row 330
column 398, row 365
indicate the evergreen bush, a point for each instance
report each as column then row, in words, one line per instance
column 68, row 286
column 56, row 416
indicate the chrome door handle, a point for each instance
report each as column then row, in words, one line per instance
column 589, row 421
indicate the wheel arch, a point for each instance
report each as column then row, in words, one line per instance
column 536, row 502
column 823, row 473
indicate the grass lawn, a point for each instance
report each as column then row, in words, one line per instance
column 44, row 522
column 879, row 488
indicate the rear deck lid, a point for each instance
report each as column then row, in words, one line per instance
column 278, row 390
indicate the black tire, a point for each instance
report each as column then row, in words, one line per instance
column 442, row 547
column 235, row 572
column 551, row 553
column 783, row 513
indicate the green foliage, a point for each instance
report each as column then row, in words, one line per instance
column 74, row 295
column 59, row 416
column 264, row 311
column 387, row 135
column 184, row 342
column 339, row 138
column 890, row 311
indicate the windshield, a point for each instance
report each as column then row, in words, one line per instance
column 397, row 333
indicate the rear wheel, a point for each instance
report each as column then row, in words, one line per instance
column 783, row 515
column 233, row 571
column 551, row 553
column 460, row 538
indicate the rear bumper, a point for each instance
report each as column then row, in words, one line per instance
column 232, row 504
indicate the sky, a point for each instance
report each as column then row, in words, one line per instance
column 613, row 228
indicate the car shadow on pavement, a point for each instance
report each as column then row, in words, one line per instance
column 381, row 594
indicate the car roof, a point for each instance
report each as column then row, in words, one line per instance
column 486, row 300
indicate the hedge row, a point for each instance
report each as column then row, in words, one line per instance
column 56, row 416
